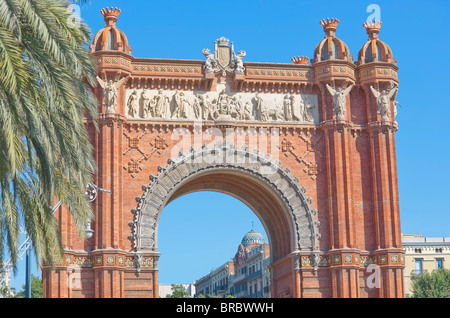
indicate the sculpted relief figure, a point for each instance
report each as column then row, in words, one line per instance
column 133, row 105
column 266, row 113
column 298, row 108
column 384, row 101
column 238, row 59
column 160, row 105
column 261, row 108
column 238, row 107
column 396, row 104
column 153, row 104
column 339, row 99
column 110, row 90
column 165, row 106
column 182, row 106
column 223, row 103
column 198, row 106
column 287, row 107
column 210, row 64
column 308, row 114
column 277, row 112
column 146, row 104
column 248, row 111
column 206, row 106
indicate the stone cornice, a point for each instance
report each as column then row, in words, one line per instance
column 329, row 124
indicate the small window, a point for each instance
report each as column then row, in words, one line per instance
column 439, row 250
column 369, row 57
column 110, row 40
column 378, row 53
column 325, row 54
column 417, row 250
column 439, row 263
column 418, row 266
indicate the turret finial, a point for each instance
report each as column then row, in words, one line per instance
column 372, row 28
column 110, row 15
column 300, row 60
column 329, row 26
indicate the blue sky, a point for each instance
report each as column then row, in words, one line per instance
column 195, row 237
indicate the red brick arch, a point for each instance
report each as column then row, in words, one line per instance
column 331, row 208
column 268, row 189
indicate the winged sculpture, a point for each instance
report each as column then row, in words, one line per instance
column 384, row 100
column 339, row 98
column 110, row 90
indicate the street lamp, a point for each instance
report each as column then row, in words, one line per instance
column 89, row 231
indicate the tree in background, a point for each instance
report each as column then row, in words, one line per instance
column 178, row 291
column 45, row 93
column 432, row 285
column 37, row 289
column 213, row 296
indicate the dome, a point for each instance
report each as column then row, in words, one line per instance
column 331, row 47
column 252, row 237
column 110, row 38
column 374, row 50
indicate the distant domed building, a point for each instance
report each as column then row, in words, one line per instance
column 252, row 237
column 251, row 277
column 246, row 276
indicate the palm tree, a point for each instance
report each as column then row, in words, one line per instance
column 45, row 153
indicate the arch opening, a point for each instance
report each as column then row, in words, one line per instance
column 256, row 196
column 200, row 236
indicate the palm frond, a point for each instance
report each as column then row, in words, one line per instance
column 45, row 152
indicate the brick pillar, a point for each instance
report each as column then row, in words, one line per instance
column 385, row 196
column 342, row 229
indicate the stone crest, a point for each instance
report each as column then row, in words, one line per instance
column 224, row 59
column 223, row 53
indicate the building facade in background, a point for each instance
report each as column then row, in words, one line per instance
column 251, row 279
column 247, row 276
column 216, row 283
column 424, row 254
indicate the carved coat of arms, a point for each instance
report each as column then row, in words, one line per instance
column 224, row 59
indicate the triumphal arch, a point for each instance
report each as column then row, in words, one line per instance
column 308, row 145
